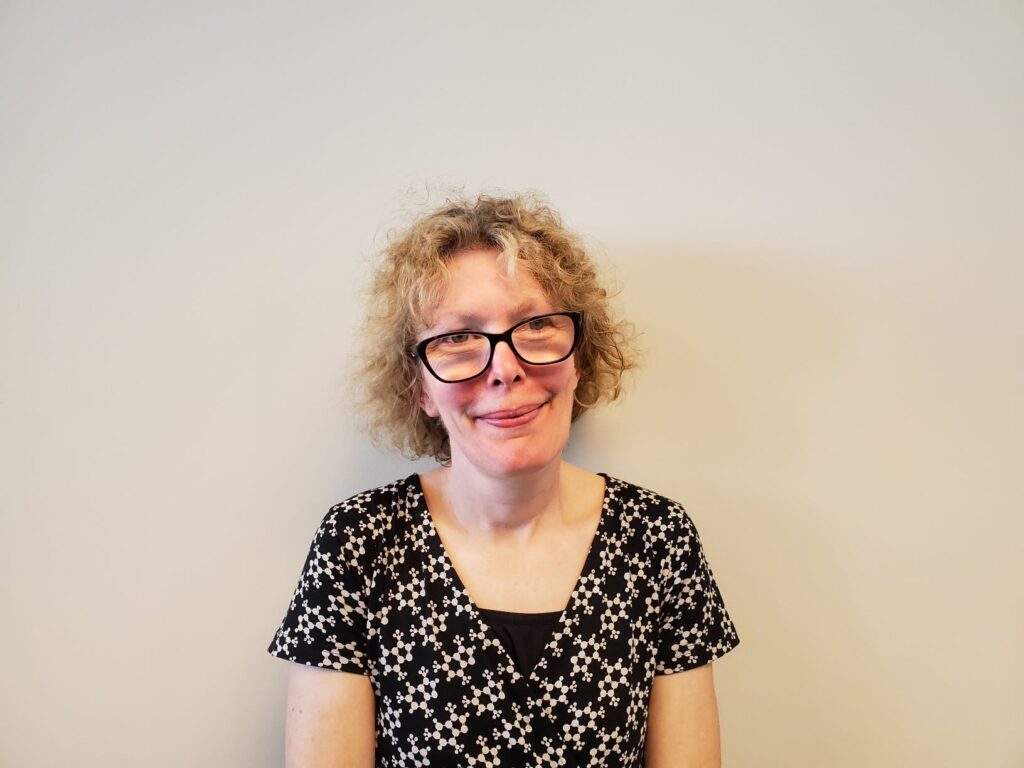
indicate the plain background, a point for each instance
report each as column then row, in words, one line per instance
column 813, row 210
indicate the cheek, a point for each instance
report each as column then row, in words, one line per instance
column 440, row 400
column 571, row 380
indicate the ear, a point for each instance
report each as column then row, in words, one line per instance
column 428, row 405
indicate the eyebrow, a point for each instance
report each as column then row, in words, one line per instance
column 524, row 308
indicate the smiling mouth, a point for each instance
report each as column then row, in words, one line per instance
column 512, row 418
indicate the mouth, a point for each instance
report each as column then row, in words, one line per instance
column 514, row 417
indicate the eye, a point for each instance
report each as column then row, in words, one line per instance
column 455, row 338
column 539, row 323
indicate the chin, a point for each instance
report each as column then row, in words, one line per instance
column 510, row 461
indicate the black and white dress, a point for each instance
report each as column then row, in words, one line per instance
column 379, row 596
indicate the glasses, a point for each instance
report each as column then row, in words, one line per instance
column 461, row 356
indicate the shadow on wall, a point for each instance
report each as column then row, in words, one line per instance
column 840, row 438
column 740, row 352
column 731, row 413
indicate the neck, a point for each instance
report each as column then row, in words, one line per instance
column 506, row 508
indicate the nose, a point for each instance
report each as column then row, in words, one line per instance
column 505, row 366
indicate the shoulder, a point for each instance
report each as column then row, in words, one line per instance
column 630, row 499
column 356, row 525
column 662, row 522
column 376, row 505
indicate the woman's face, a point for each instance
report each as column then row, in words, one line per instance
column 482, row 297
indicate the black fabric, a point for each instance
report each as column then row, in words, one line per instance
column 524, row 635
column 379, row 596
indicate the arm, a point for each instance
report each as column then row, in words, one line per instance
column 682, row 721
column 331, row 719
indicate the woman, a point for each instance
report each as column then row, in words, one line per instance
column 507, row 608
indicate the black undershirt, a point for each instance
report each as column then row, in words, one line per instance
column 524, row 635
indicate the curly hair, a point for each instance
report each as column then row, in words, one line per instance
column 411, row 280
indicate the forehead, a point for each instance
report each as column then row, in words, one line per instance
column 480, row 286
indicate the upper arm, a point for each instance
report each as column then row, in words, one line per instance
column 682, row 721
column 331, row 719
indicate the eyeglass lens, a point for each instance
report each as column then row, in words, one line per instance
column 538, row 341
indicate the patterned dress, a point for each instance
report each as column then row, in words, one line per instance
column 379, row 596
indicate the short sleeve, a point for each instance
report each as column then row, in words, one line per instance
column 325, row 625
column 694, row 626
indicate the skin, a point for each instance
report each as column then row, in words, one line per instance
column 330, row 722
column 682, row 721
column 515, row 519
column 505, row 483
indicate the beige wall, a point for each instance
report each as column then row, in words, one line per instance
column 814, row 210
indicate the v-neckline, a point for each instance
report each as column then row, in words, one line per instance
column 571, row 608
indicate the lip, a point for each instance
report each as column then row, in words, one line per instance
column 512, row 417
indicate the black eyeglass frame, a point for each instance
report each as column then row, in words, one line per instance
column 420, row 351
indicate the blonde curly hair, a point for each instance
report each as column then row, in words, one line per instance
column 411, row 280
